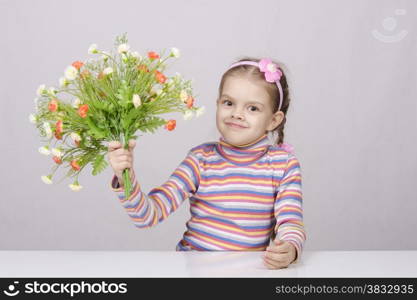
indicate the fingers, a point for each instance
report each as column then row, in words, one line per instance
column 279, row 246
column 132, row 144
column 275, row 261
column 273, row 265
column 113, row 145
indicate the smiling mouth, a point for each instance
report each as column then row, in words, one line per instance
column 233, row 125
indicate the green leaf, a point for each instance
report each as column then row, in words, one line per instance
column 99, row 164
column 151, row 125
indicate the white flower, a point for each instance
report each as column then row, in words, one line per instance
column 136, row 55
column 44, row 150
column 156, row 90
column 92, row 49
column 75, row 186
column 47, row 179
column 184, row 95
column 107, row 71
column 75, row 137
column 52, row 91
column 63, row 82
column 200, row 111
column 136, row 101
column 76, row 103
column 188, row 115
column 175, row 52
column 123, row 48
column 41, row 90
column 57, row 152
column 32, row 118
column 48, row 130
column 71, row 73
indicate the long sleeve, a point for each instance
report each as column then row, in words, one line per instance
column 288, row 209
column 147, row 210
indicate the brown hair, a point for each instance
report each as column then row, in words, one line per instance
column 271, row 88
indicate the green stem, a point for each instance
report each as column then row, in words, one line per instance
column 126, row 174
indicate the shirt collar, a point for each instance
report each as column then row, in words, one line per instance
column 243, row 154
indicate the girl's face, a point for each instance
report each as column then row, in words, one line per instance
column 244, row 111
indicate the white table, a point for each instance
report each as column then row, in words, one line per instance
column 107, row 264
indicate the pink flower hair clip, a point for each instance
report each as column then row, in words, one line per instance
column 271, row 71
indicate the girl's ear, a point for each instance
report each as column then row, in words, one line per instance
column 276, row 120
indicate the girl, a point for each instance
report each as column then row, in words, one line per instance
column 244, row 191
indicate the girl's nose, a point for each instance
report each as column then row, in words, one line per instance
column 237, row 114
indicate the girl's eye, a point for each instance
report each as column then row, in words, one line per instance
column 253, row 108
column 227, row 102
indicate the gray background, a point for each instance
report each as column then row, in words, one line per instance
column 352, row 119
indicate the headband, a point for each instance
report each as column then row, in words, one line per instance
column 271, row 71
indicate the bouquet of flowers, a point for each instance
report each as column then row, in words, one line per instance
column 109, row 97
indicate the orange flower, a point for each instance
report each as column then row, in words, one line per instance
column 153, row 55
column 170, row 125
column 58, row 130
column 82, row 110
column 190, row 101
column 77, row 64
column 143, row 68
column 53, row 105
column 160, row 77
column 57, row 159
column 75, row 166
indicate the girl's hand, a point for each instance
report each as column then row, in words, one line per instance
column 279, row 254
column 120, row 158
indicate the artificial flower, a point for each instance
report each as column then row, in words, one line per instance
column 92, row 49
column 82, row 110
column 74, row 165
column 47, row 129
column 153, row 55
column 136, row 101
column 41, row 91
column 57, row 160
column 188, row 115
column 170, row 125
column 123, row 48
column 44, row 150
column 71, row 73
column 77, row 64
column 53, row 105
column 47, row 179
column 175, row 52
column 75, row 186
column 108, row 71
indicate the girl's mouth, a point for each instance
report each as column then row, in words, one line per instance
column 234, row 125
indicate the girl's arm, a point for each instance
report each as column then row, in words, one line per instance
column 288, row 209
column 147, row 210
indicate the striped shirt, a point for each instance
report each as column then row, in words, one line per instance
column 240, row 197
